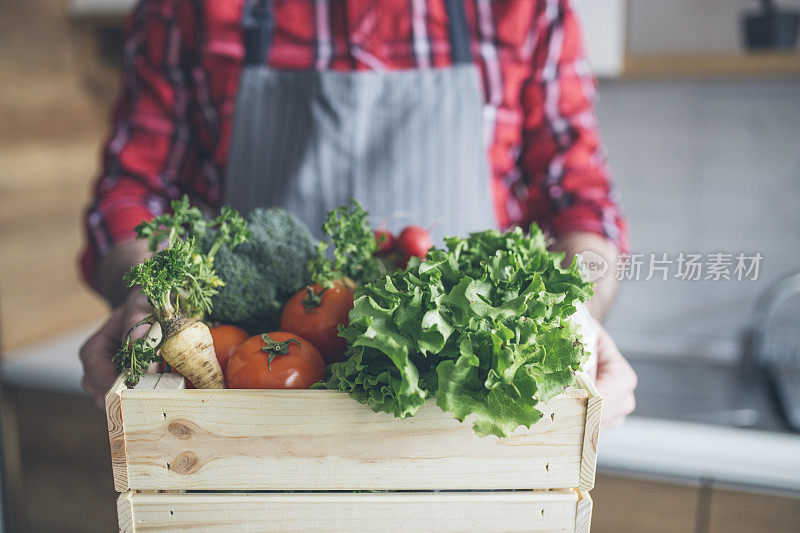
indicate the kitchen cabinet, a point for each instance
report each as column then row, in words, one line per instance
column 750, row 512
column 630, row 502
column 57, row 462
column 625, row 503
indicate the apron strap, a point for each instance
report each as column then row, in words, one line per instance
column 258, row 25
column 459, row 33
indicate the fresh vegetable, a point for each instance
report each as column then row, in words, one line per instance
column 354, row 248
column 261, row 274
column 483, row 326
column 315, row 314
column 179, row 282
column 414, row 241
column 226, row 339
column 385, row 241
column 277, row 360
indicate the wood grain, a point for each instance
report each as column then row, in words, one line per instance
column 552, row 511
column 324, row 440
column 125, row 512
column 583, row 514
column 591, row 432
column 116, row 434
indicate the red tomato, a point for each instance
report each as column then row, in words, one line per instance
column 385, row 241
column 316, row 316
column 226, row 339
column 414, row 241
column 296, row 363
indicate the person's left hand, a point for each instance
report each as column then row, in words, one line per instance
column 615, row 380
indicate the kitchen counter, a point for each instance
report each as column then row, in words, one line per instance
column 649, row 445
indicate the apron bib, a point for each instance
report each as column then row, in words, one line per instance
column 406, row 144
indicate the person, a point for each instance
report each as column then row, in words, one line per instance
column 467, row 114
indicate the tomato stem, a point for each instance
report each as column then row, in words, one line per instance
column 313, row 299
column 275, row 348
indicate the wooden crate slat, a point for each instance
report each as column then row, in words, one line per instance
column 116, row 435
column 125, row 512
column 323, row 440
column 171, row 382
column 551, row 511
column 591, row 434
column 583, row 514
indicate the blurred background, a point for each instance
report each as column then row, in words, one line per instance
column 700, row 111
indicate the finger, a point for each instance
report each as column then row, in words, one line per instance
column 99, row 376
column 611, row 423
column 133, row 318
column 98, row 397
column 618, row 417
column 96, row 354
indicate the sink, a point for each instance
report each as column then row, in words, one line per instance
column 707, row 391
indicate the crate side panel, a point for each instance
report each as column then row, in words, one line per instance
column 323, row 440
column 441, row 512
column 116, row 434
column 583, row 513
column 125, row 512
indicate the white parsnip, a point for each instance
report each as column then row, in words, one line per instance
column 190, row 351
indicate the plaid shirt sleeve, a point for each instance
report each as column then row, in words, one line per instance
column 562, row 158
column 148, row 147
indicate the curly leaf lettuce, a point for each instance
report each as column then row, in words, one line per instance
column 482, row 326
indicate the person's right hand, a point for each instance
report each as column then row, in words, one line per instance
column 97, row 351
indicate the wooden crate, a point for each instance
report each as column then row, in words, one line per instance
column 166, row 438
column 550, row 511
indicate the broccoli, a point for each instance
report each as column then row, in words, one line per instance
column 261, row 274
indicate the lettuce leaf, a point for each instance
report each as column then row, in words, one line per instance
column 483, row 327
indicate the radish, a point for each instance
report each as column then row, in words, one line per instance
column 385, row 240
column 414, row 241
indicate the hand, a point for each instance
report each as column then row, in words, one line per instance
column 616, row 382
column 97, row 351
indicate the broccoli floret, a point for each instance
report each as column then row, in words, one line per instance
column 261, row 274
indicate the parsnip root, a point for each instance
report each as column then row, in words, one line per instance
column 191, row 351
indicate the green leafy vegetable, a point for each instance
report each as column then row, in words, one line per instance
column 482, row 326
column 354, row 248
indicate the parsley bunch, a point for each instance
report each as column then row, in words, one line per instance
column 354, row 248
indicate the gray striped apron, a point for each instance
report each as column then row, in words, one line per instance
column 407, row 144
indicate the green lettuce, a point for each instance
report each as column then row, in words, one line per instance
column 482, row 326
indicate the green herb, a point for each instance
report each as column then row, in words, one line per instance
column 483, row 326
column 354, row 248
column 136, row 355
column 170, row 227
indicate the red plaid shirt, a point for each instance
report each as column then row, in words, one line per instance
column 182, row 60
